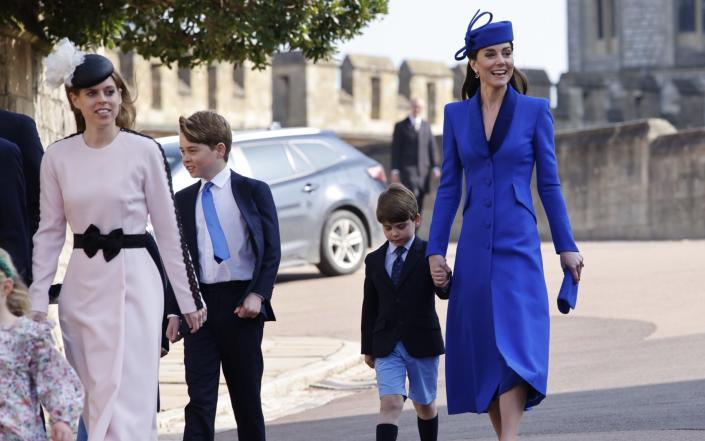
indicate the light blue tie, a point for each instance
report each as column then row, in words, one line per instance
column 220, row 245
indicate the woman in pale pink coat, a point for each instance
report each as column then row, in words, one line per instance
column 105, row 181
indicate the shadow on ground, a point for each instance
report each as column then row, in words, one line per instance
column 658, row 412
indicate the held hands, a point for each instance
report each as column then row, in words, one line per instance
column 440, row 271
column 61, row 431
column 195, row 319
column 250, row 308
column 172, row 329
column 572, row 261
column 370, row 361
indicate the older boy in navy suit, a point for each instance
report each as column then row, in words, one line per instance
column 401, row 334
column 230, row 226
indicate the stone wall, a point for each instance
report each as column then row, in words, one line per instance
column 22, row 87
column 243, row 97
column 632, row 181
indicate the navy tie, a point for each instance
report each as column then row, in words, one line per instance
column 397, row 266
column 215, row 231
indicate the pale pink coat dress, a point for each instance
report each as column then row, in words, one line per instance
column 111, row 312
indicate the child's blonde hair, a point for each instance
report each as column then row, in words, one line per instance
column 18, row 299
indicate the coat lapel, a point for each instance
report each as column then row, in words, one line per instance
column 477, row 127
column 504, row 120
column 379, row 257
column 244, row 205
column 412, row 258
column 188, row 222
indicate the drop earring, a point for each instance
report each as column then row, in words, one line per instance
column 477, row 74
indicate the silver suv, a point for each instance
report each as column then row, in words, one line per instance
column 324, row 189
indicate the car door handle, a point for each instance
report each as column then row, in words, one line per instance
column 308, row 188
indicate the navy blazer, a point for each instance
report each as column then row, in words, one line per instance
column 15, row 237
column 21, row 130
column 406, row 313
column 254, row 199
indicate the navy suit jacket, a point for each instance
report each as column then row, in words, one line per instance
column 20, row 157
column 414, row 154
column 406, row 313
column 254, row 199
column 21, row 130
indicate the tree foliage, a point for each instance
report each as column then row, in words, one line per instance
column 196, row 32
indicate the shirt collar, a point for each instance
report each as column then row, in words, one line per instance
column 407, row 245
column 218, row 180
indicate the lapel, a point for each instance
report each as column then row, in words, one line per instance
column 379, row 259
column 412, row 257
column 504, row 120
column 477, row 127
column 241, row 194
column 188, row 222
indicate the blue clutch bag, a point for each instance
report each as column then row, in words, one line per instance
column 568, row 295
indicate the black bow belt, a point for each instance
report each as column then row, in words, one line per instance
column 91, row 241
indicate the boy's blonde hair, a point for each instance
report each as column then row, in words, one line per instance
column 18, row 299
column 396, row 204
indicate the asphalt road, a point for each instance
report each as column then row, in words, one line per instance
column 627, row 364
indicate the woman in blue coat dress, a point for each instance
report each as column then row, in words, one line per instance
column 497, row 332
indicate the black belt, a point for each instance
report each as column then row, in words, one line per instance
column 91, row 241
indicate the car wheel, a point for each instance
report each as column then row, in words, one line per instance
column 343, row 245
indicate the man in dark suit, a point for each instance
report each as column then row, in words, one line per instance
column 20, row 157
column 231, row 229
column 415, row 157
column 401, row 334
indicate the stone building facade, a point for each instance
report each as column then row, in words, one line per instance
column 361, row 97
column 632, row 59
column 239, row 93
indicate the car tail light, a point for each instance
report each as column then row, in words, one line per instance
column 376, row 172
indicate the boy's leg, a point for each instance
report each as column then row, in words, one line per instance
column 423, row 383
column 240, row 344
column 202, row 365
column 391, row 379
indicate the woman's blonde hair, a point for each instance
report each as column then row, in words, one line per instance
column 126, row 115
column 18, row 299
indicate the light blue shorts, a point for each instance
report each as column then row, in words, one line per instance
column 393, row 369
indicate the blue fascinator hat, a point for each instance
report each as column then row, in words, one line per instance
column 486, row 35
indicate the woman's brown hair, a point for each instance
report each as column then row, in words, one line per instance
column 471, row 84
column 126, row 115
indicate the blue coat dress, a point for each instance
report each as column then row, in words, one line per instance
column 497, row 331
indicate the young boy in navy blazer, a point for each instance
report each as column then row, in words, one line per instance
column 231, row 229
column 401, row 334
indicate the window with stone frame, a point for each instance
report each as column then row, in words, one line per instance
column 184, row 80
column 212, row 88
column 127, row 66
column 239, row 80
column 690, row 22
column 156, row 76
column 606, row 19
column 376, row 89
column 687, row 10
column 431, row 102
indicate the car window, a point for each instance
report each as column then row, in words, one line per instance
column 301, row 164
column 320, row 154
column 268, row 161
column 173, row 155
